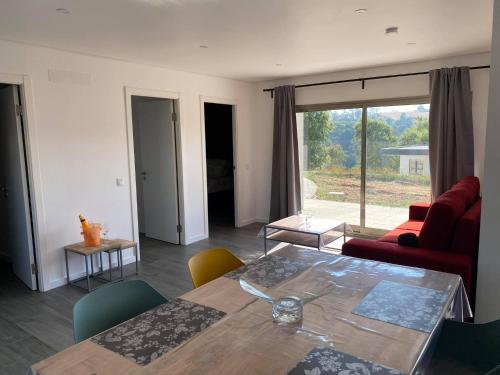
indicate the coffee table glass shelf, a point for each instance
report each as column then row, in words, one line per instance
column 304, row 230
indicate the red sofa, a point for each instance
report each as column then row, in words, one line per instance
column 447, row 231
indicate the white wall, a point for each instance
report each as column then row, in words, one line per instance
column 381, row 89
column 82, row 143
column 488, row 280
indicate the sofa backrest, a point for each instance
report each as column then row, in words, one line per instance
column 439, row 226
column 469, row 188
column 466, row 236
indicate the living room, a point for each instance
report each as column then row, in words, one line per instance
column 73, row 89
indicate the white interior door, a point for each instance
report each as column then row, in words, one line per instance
column 14, row 197
column 159, row 170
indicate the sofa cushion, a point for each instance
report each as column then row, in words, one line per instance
column 393, row 235
column 466, row 238
column 439, row 224
column 413, row 225
column 418, row 211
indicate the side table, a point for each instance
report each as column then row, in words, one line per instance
column 107, row 246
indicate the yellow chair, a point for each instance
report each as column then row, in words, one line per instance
column 211, row 264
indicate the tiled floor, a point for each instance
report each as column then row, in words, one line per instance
column 35, row 325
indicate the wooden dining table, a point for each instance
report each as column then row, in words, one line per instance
column 243, row 339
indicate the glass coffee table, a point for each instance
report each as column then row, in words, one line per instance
column 305, row 231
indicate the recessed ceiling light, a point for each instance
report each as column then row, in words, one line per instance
column 391, row 30
column 62, row 11
column 361, row 11
column 203, row 46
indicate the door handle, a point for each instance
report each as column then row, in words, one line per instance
column 144, row 174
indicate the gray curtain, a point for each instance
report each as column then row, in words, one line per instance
column 451, row 137
column 285, row 188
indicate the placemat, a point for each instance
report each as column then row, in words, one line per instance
column 148, row 336
column 404, row 305
column 269, row 271
column 322, row 361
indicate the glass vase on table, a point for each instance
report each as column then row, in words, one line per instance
column 288, row 300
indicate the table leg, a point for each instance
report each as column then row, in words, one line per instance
column 121, row 263
column 92, row 264
column 265, row 240
column 344, row 231
column 319, row 242
column 87, row 273
column 100, row 262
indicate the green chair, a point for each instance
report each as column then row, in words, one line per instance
column 466, row 349
column 111, row 305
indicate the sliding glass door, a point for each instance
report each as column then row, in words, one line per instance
column 365, row 163
column 397, row 163
column 331, row 183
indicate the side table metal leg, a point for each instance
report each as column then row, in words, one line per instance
column 67, row 266
column 121, row 263
column 265, row 240
column 87, row 273
column 136, row 260
column 110, row 267
column 100, row 261
column 92, row 264
column 319, row 242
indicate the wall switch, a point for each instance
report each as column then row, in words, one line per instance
column 120, row 182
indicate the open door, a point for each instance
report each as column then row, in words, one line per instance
column 156, row 162
column 15, row 210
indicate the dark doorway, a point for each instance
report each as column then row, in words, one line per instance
column 220, row 163
column 16, row 234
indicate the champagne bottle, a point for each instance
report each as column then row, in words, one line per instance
column 84, row 222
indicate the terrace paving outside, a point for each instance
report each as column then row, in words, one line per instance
column 380, row 217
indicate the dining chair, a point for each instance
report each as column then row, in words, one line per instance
column 111, row 305
column 466, row 349
column 211, row 264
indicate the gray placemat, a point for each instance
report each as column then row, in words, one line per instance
column 148, row 336
column 269, row 271
column 323, row 361
column 404, row 305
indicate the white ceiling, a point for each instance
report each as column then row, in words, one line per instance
column 247, row 38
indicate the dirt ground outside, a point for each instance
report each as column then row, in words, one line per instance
column 390, row 191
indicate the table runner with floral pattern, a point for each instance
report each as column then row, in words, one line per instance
column 326, row 361
column 405, row 305
column 148, row 336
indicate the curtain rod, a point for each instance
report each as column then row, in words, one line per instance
column 362, row 80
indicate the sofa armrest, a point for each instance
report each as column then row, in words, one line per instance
column 389, row 252
column 418, row 211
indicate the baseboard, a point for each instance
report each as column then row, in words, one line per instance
column 253, row 220
column 62, row 281
column 198, row 237
column 263, row 220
